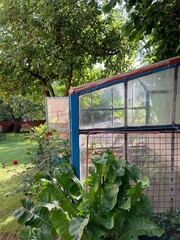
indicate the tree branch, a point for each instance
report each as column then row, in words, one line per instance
column 42, row 80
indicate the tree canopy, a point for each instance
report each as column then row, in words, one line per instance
column 17, row 108
column 156, row 23
column 53, row 43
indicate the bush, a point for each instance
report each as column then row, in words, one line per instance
column 51, row 150
column 110, row 206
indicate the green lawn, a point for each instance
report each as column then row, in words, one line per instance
column 14, row 147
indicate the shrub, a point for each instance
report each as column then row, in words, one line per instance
column 51, row 150
column 110, row 206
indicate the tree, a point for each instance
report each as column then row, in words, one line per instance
column 18, row 108
column 154, row 22
column 52, row 42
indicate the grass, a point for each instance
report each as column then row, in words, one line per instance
column 14, row 147
column 8, row 203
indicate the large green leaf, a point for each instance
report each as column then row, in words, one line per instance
column 36, row 217
column 109, row 198
column 59, row 195
column 67, row 180
column 120, row 217
column 140, row 226
column 94, row 232
column 77, row 226
column 106, row 221
column 61, row 222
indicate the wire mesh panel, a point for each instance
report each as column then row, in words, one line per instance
column 156, row 153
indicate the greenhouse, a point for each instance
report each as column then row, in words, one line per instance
column 136, row 115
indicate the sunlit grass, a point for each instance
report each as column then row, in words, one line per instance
column 9, row 201
column 14, row 147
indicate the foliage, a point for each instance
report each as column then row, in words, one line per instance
column 110, row 206
column 156, row 23
column 50, row 151
column 17, row 107
column 170, row 221
column 54, row 42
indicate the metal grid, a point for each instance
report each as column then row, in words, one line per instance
column 156, row 153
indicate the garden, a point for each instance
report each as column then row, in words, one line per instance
column 49, row 202
column 104, row 77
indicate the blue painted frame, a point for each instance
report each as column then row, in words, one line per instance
column 74, row 133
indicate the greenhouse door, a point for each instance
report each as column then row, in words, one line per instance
column 57, row 115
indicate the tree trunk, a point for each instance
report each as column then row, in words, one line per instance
column 17, row 126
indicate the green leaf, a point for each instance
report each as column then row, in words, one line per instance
column 67, row 180
column 140, row 226
column 36, row 217
column 61, row 221
column 142, row 207
column 94, row 232
column 134, row 172
column 107, row 8
column 145, row 182
column 125, row 204
column 56, row 193
column 120, row 217
column 93, row 180
column 106, row 221
column 77, row 226
column 109, row 199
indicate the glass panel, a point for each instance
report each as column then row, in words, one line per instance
column 85, row 101
column 154, row 94
column 136, row 94
column 136, row 117
column 57, row 112
column 100, row 108
column 178, row 99
column 160, row 88
column 149, row 102
column 118, row 96
column 136, row 103
column 102, row 99
column 118, row 118
column 85, row 118
column 102, row 118
column 160, row 108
